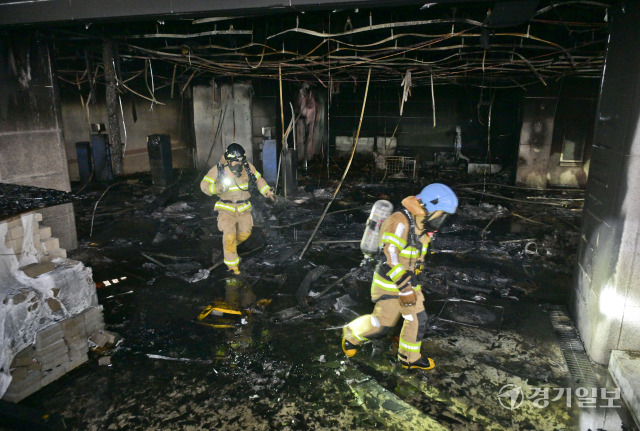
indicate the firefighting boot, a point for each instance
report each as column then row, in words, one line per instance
column 423, row 363
column 235, row 270
column 348, row 348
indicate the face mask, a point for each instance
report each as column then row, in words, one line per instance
column 436, row 223
column 236, row 169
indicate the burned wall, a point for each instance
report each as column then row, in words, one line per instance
column 32, row 150
column 141, row 118
column 607, row 282
column 573, row 136
column 222, row 115
column 237, row 100
column 454, row 106
column 536, row 136
column 204, row 106
column 265, row 112
column 416, row 132
column 557, row 134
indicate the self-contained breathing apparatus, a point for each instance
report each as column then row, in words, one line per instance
column 370, row 243
column 222, row 176
column 437, row 200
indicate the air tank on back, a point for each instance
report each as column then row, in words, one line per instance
column 380, row 211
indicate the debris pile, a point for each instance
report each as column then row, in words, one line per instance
column 16, row 199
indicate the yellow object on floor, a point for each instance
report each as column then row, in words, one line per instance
column 217, row 326
column 219, row 309
column 227, row 310
column 208, row 309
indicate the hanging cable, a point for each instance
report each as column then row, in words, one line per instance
column 488, row 157
column 353, row 151
column 124, row 127
column 213, row 142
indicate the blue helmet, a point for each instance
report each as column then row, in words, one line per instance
column 436, row 197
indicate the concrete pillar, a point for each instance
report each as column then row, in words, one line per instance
column 206, row 105
column 237, row 125
column 113, row 120
column 31, row 143
column 229, row 103
column 607, row 282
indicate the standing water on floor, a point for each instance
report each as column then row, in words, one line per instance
column 206, row 350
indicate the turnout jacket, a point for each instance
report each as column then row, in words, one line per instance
column 235, row 196
column 402, row 251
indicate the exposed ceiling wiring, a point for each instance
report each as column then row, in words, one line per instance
column 445, row 50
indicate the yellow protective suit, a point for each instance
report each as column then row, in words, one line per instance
column 402, row 253
column 234, row 208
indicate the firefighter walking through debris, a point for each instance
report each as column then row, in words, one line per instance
column 404, row 240
column 232, row 179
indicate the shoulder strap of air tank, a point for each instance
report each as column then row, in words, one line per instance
column 409, row 217
column 252, row 178
column 411, row 237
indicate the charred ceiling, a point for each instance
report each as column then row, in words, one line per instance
column 512, row 44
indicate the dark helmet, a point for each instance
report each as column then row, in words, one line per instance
column 235, row 152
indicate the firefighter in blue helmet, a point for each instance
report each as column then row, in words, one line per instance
column 404, row 239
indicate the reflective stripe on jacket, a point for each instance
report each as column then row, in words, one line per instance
column 237, row 191
column 382, row 287
column 401, row 255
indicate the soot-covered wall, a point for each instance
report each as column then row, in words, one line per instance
column 31, row 135
column 607, row 282
column 467, row 107
column 173, row 117
column 557, row 134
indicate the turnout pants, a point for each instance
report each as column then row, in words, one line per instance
column 386, row 313
column 236, row 228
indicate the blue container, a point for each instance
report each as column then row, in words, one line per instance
column 83, row 151
column 160, row 161
column 101, row 157
column 270, row 161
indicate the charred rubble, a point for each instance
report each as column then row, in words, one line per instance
column 502, row 265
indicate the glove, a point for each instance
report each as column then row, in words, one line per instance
column 223, row 184
column 407, row 297
column 419, row 268
column 408, row 278
column 271, row 195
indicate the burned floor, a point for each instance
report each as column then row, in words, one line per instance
column 497, row 287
